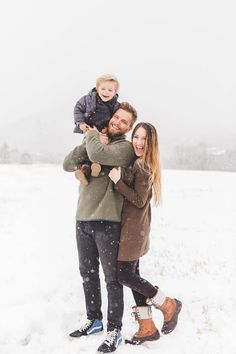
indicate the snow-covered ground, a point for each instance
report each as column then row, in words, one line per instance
column 192, row 257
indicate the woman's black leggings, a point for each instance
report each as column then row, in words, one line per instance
column 128, row 275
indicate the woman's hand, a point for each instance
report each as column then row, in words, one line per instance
column 115, row 174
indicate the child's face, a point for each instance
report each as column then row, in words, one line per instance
column 106, row 90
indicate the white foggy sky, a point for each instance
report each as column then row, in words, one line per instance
column 175, row 61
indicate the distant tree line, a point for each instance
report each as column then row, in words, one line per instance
column 201, row 157
column 195, row 157
column 13, row 155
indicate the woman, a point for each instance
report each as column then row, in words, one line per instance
column 136, row 185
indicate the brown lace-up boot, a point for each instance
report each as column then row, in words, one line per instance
column 147, row 330
column 170, row 309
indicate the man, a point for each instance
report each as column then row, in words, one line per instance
column 98, row 224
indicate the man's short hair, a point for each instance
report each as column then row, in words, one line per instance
column 128, row 108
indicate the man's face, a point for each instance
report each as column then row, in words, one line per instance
column 120, row 123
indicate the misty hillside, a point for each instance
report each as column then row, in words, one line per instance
column 48, row 138
column 40, row 133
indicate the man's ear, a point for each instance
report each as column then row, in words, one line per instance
column 130, row 128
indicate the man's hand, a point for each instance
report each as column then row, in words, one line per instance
column 115, row 174
column 84, row 127
column 103, row 138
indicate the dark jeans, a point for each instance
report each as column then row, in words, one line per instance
column 128, row 274
column 100, row 240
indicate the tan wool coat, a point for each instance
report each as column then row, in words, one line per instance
column 136, row 214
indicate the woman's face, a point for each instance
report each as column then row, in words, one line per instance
column 139, row 140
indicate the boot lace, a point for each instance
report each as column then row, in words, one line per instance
column 110, row 338
column 85, row 326
column 135, row 314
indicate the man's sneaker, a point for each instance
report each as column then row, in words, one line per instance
column 90, row 327
column 113, row 339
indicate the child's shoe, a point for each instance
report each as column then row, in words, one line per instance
column 95, row 169
column 81, row 177
column 83, row 174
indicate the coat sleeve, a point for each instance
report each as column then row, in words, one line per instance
column 75, row 157
column 79, row 110
column 118, row 153
column 139, row 194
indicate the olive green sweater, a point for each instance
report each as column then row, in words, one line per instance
column 99, row 200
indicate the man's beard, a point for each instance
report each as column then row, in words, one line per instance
column 113, row 135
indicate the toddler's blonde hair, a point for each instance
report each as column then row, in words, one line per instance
column 108, row 77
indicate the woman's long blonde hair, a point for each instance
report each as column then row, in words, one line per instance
column 151, row 158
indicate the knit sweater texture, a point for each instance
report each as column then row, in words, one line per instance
column 100, row 200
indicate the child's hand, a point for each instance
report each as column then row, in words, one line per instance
column 104, row 130
column 84, row 127
column 93, row 128
column 115, row 174
column 103, row 138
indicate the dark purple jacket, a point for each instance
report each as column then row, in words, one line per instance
column 90, row 109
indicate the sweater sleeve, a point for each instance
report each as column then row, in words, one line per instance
column 117, row 153
column 139, row 194
column 75, row 157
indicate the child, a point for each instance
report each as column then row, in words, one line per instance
column 95, row 110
